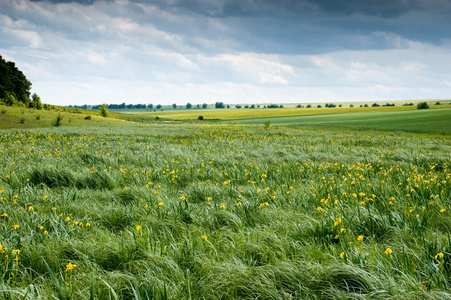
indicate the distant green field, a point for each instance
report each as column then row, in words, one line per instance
column 430, row 120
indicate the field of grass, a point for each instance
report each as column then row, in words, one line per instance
column 21, row 118
column 219, row 211
column 425, row 120
column 233, row 114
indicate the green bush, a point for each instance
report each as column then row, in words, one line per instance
column 58, row 121
column 422, row 105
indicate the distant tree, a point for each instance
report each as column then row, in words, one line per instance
column 366, row 105
column 58, row 121
column 219, row 105
column 437, row 103
column 422, row 105
column 204, row 106
column 200, row 118
column 158, row 106
column 319, row 106
column 238, row 106
column 351, row 105
column 150, row 106
column 189, row 105
column 309, row 106
column 253, row 106
column 103, row 110
column 339, row 105
column 375, row 105
column 174, row 105
column 36, row 102
column 228, row 106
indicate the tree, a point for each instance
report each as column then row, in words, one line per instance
column 13, row 82
column 422, row 105
column 10, row 100
column 219, row 105
column 36, row 102
column 103, row 110
column 188, row 105
column 204, row 106
column 174, row 105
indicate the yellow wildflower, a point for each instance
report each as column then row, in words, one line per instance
column 203, row 237
column 70, row 267
column 439, row 255
column 360, row 238
column 388, row 251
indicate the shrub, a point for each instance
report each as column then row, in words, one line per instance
column 22, row 121
column 200, row 118
column 422, row 105
column 58, row 121
column 88, row 117
column 103, row 110
column 3, row 111
column 38, row 117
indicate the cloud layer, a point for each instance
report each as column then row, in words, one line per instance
column 247, row 51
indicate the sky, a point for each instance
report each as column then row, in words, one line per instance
column 231, row 51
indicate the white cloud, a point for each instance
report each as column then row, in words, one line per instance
column 260, row 68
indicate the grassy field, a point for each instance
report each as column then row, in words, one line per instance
column 223, row 211
column 239, row 114
column 20, row 118
column 429, row 120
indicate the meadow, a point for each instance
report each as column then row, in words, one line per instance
column 223, row 211
column 420, row 121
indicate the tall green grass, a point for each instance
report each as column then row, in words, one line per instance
column 223, row 212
